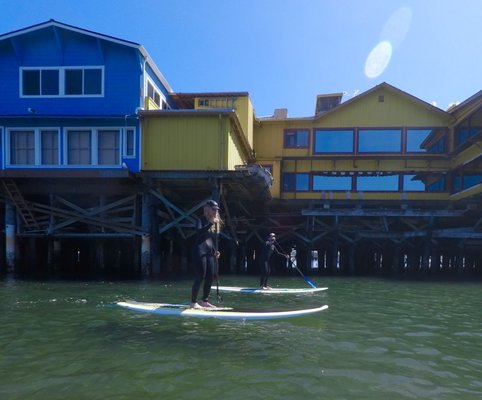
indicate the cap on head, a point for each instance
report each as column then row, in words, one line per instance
column 212, row 204
column 271, row 236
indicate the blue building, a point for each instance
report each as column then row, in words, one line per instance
column 70, row 99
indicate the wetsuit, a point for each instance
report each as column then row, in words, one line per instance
column 264, row 266
column 204, row 259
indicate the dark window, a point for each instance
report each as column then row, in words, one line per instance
column 73, row 81
column 50, row 82
column 30, row 82
column 93, row 81
column 297, row 138
column 130, row 143
column 296, row 182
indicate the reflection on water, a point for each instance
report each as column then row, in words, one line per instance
column 378, row 340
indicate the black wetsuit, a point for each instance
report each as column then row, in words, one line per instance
column 204, row 259
column 265, row 269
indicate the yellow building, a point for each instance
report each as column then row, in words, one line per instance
column 383, row 144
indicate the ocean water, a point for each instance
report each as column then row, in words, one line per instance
column 379, row 339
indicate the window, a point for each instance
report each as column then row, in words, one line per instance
column 437, row 186
column 22, row 147
column 298, row 138
column 379, row 141
column 94, row 146
column 334, row 141
column 268, row 167
column 50, row 147
column 464, row 133
column 155, row 95
column 129, row 143
column 462, row 182
column 296, row 182
column 62, row 81
column 33, row 147
column 438, row 147
column 416, row 138
column 326, row 182
column 108, row 147
column 378, row 183
column 79, row 147
column 412, row 184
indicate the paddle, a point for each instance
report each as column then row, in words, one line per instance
column 220, row 299
column 296, row 266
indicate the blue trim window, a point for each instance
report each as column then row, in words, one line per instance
column 293, row 182
column 334, row 141
column 379, row 140
column 296, row 138
column 62, row 81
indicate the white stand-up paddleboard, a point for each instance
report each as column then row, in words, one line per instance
column 218, row 312
column 268, row 291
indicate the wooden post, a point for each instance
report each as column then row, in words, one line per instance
column 10, row 226
column 146, row 238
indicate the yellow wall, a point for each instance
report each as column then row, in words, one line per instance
column 396, row 110
column 188, row 143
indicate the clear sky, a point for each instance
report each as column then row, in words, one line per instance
column 286, row 52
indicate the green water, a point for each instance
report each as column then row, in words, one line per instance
column 379, row 339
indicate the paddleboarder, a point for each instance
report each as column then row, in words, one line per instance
column 264, row 265
column 206, row 253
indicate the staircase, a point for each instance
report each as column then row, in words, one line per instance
column 19, row 202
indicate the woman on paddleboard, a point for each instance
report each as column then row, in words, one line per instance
column 266, row 252
column 206, row 253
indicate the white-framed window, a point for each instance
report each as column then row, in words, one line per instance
column 155, row 95
column 32, row 147
column 129, row 143
column 82, row 81
column 92, row 146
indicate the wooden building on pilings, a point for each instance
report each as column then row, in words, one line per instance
column 104, row 166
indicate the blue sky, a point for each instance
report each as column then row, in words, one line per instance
column 286, row 52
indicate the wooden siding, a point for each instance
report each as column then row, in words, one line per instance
column 195, row 143
column 122, row 73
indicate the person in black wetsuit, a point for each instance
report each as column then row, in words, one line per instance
column 268, row 249
column 206, row 253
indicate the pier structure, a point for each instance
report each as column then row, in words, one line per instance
column 103, row 166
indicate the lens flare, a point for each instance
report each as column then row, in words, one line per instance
column 378, row 59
